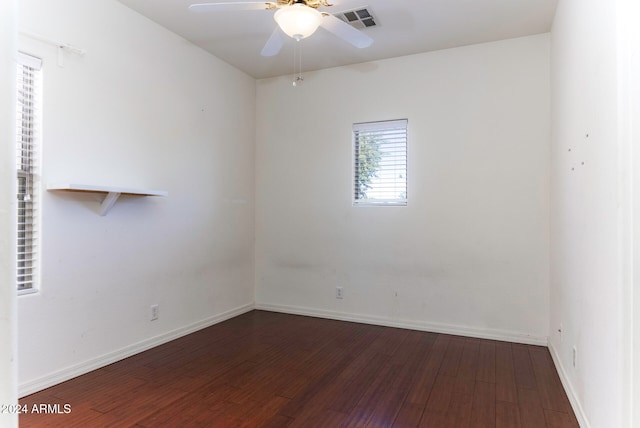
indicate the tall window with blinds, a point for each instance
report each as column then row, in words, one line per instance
column 380, row 163
column 29, row 82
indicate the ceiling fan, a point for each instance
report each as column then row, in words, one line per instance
column 296, row 18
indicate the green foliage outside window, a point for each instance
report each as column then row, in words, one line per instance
column 369, row 155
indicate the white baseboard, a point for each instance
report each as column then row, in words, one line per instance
column 480, row 333
column 568, row 387
column 104, row 360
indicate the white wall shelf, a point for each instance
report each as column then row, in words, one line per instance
column 111, row 193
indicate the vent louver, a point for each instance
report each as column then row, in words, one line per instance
column 358, row 18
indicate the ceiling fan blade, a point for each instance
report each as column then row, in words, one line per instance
column 274, row 44
column 227, row 6
column 345, row 31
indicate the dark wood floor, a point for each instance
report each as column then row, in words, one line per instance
column 265, row 369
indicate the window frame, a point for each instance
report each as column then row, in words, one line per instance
column 383, row 126
column 29, row 118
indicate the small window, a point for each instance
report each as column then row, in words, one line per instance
column 29, row 76
column 380, row 163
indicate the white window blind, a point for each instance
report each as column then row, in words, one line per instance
column 29, row 77
column 380, row 163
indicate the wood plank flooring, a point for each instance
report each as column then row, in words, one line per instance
column 265, row 369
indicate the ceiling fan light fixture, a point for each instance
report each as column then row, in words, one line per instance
column 298, row 21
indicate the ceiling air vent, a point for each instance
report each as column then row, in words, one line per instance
column 358, row 18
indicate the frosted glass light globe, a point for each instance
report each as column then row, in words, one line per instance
column 298, row 21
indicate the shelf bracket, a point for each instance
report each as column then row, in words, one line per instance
column 108, row 202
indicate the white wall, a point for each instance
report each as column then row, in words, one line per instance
column 629, row 122
column 628, row 46
column 144, row 109
column 589, row 224
column 632, row 52
column 470, row 252
column 8, row 366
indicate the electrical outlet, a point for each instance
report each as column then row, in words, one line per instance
column 575, row 357
column 339, row 292
column 155, row 312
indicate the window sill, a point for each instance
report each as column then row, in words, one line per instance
column 381, row 204
column 27, row 291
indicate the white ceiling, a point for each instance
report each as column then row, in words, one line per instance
column 404, row 27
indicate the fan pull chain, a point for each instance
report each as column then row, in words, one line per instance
column 297, row 72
